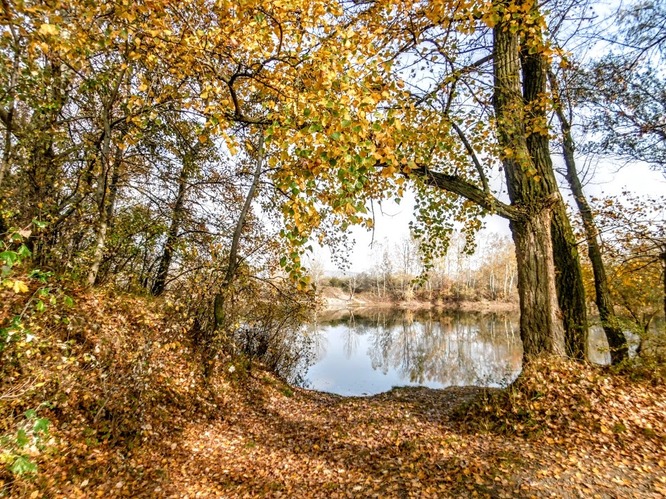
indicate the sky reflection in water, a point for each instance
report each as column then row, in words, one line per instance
column 370, row 352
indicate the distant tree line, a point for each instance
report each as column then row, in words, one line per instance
column 400, row 273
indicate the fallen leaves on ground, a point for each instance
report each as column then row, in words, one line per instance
column 563, row 430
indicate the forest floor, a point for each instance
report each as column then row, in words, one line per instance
column 279, row 441
column 407, row 443
column 130, row 416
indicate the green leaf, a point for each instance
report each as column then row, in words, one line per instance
column 40, row 306
column 23, row 465
column 336, row 135
column 68, row 301
column 41, row 425
column 9, row 257
column 23, row 251
column 30, row 414
column 22, row 438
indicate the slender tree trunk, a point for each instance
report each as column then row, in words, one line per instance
column 232, row 267
column 106, row 213
column 8, row 117
column 616, row 339
column 7, row 142
column 110, row 209
column 102, row 221
column 172, row 236
column 663, row 269
column 107, row 172
column 44, row 165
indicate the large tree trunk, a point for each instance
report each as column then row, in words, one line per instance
column 569, row 276
column 522, row 135
column 539, row 310
column 569, row 283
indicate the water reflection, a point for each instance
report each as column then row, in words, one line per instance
column 373, row 351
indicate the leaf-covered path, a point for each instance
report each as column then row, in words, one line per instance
column 406, row 443
column 132, row 415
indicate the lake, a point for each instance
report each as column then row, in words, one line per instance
column 370, row 351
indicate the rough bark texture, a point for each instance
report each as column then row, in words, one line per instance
column 616, row 339
column 569, row 276
column 532, row 191
column 539, row 311
column 569, row 283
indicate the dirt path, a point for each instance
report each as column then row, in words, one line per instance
column 401, row 444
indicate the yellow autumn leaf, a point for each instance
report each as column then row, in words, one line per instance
column 48, row 29
column 19, row 287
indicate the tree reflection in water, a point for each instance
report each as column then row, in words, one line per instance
column 372, row 351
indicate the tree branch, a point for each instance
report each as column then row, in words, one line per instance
column 456, row 185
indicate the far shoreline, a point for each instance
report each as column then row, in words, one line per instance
column 333, row 300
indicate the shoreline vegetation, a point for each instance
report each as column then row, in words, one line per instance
column 333, row 298
column 131, row 413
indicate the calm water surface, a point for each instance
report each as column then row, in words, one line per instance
column 369, row 352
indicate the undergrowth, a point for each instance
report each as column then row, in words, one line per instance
column 108, row 382
column 555, row 397
column 110, row 372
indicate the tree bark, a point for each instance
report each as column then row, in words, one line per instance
column 102, row 188
column 8, row 122
column 663, row 269
column 8, row 115
column 541, row 327
column 107, row 171
column 172, row 236
column 616, row 339
column 570, row 286
column 43, row 163
column 532, row 189
column 232, row 267
column 569, row 276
